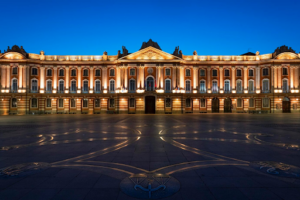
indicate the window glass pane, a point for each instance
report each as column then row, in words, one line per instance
column 188, row 86
column 15, row 70
column 250, row 72
column 98, row 73
column 97, row 103
column 112, row 72
column 188, row 103
column 131, row 102
column 251, row 103
column 251, row 86
column 239, row 103
column 85, row 86
column 168, row 85
column 34, row 103
column 73, row 103
column 85, row 103
column 203, row 101
column 97, row 86
column 168, row 103
column 48, row 103
column 215, row 72
column 85, row 72
column 13, row 102
column 202, row 72
column 168, row 72
column 73, row 72
column 112, row 85
column 132, row 85
column 111, row 103
column 188, row 72
column 226, row 72
column 132, row 72
column 202, row 86
column 227, row 86
column 265, row 102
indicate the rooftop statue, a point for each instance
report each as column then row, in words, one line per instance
column 282, row 49
column 150, row 43
column 177, row 52
column 125, row 52
column 17, row 49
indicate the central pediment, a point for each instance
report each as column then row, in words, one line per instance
column 150, row 53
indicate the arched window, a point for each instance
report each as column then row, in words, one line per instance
column 49, row 72
column 85, row 72
column 73, row 72
column 285, row 85
column 187, row 72
column 34, row 85
column 239, row 103
column 251, row 86
column 14, row 86
column 13, row 102
column 168, row 85
column 202, row 103
column 227, row 86
column 188, row 86
column 98, row 72
column 85, row 103
column 34, row 102
column 215, row 86
column 251, row 103
column 239, row 88
column 60, row 103
column 97, row 86
column 111, row 72
column 73, row 86
column 112, row 85
column 85, row 86
column 202, row 86
column 150, row 84
column 132, row 85
column 61, row 86
column 15, row 70
column 49, row 86
column 188, row 103
column 61, row 72
column 265, row 86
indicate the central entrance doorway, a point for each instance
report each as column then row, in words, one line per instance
column 227, row 105
column 150, row 105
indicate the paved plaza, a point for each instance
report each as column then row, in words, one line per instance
column 191, row 156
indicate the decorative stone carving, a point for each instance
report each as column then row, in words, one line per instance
column 150, row 43
column 150, row 70
column 282, row 49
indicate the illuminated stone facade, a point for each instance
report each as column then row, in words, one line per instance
column 148, row 81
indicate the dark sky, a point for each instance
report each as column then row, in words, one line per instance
column 221, row 27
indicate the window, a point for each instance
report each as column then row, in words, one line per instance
column 73, row 86
column 215, row 86
column 97, row 103
column 49, row 86
column 15, row 70
column 202, row 86
column 112, row 85
column 13, row 102
column 84, row 103
column 188, row 103
column 226, row 72
column 14, row 84
column 284, row 71
column 168, row 85
column 168, row 103
column 61, row 85
column 34, row 103
column 34, row 71
column 61, row 72
column 266, row 102
column 251, row 103
column 202, row 103
column 150, row 84
column 48, row 103
column 97, row 86
column 215, row 72
column 265, row 86
column 187, row 72
column 202, row 72
column 239, row 102
column 98, row 72
column 265, row 71
column 73, row 72
column 239, row 88
column 111, row 72
column 34, row 85
column 60, row 103
column 227, row 86
column 251, row 72
column 251, row 86
column 85, row 86
column 132, row 85
column 285, row 85
column 238, row 72
column 111, row 103
column 132, row 72
column 85, row 72
column 73, row 103
column 168, row 72
column 131, row 102
column 188, row 85
column 49, row 72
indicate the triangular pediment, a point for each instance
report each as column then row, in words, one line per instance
column 150, row 53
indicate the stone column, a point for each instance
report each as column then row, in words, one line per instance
column 257, row 77
column 8, row 76
column 173, row 77
column 20, row 74
column 24, row 76
column 233, row 74
column 126, row 77
column 67, row 77
column 92, row 78
column 272, row 78
column 292, row 77
column 157, row 77
column 196, row 75
column 42, row 78
column 182, row 82
column 3, row 76
column 118, row 75
column 79, row 78
column 208, row 78
column 275, row 77
column 162, row 77
column 104, row 77
column 245, row 77
column 296, row 78
column 27, row 78
column 221, row 78
column 142, row 76
column 279, row 81
column 55, row 78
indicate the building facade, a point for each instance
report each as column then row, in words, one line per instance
column 148, row 81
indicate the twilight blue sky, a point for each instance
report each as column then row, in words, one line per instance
column 87, row 27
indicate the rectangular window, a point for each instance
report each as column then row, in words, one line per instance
column 226, row 72
column 168, row 85
column 34, row 85
column 132, row 85
column 15, row 70
column 73, row 86
column 112, row 72
column 132, row 72
column 285, row 85
column 188, row 72
column 85, row 72
column 202, row 86
column 188, row 103
column 97, row 86
column 112, row 85
column 188, row 86
column 251, row 86
column 168, row 103
column 215, row 72
column 238, row 72
column 266, row 102
column 251, row 103
column 15, row 85
column 284, row 71
column 73, row 72
column 239, row 86
column 49, row 103
column 98, row 72
column 202, row 72
column 265, row 86
column 34, row 103
column 239, row 103
column 34, row 71
column 251, row 72
column 60, row 103
column 61, row 72
column 84, row 103
column 97, row 103
column 227, row 86
column 265, row 71
column 215, row 86
column 73, row 103
column 202, row 103
column 85, row 86
column 168, row 72
column 49, row 72
column 111, row 103
column 131, row 102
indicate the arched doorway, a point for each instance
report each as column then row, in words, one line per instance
column 286, row 105
column 150, row 84
column 150, row 105
column 215, row 105
column 227, row 105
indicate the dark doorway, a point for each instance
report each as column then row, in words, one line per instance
column 150, row 105
column 215, row 105
column 227, row 105
column 286, row 105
